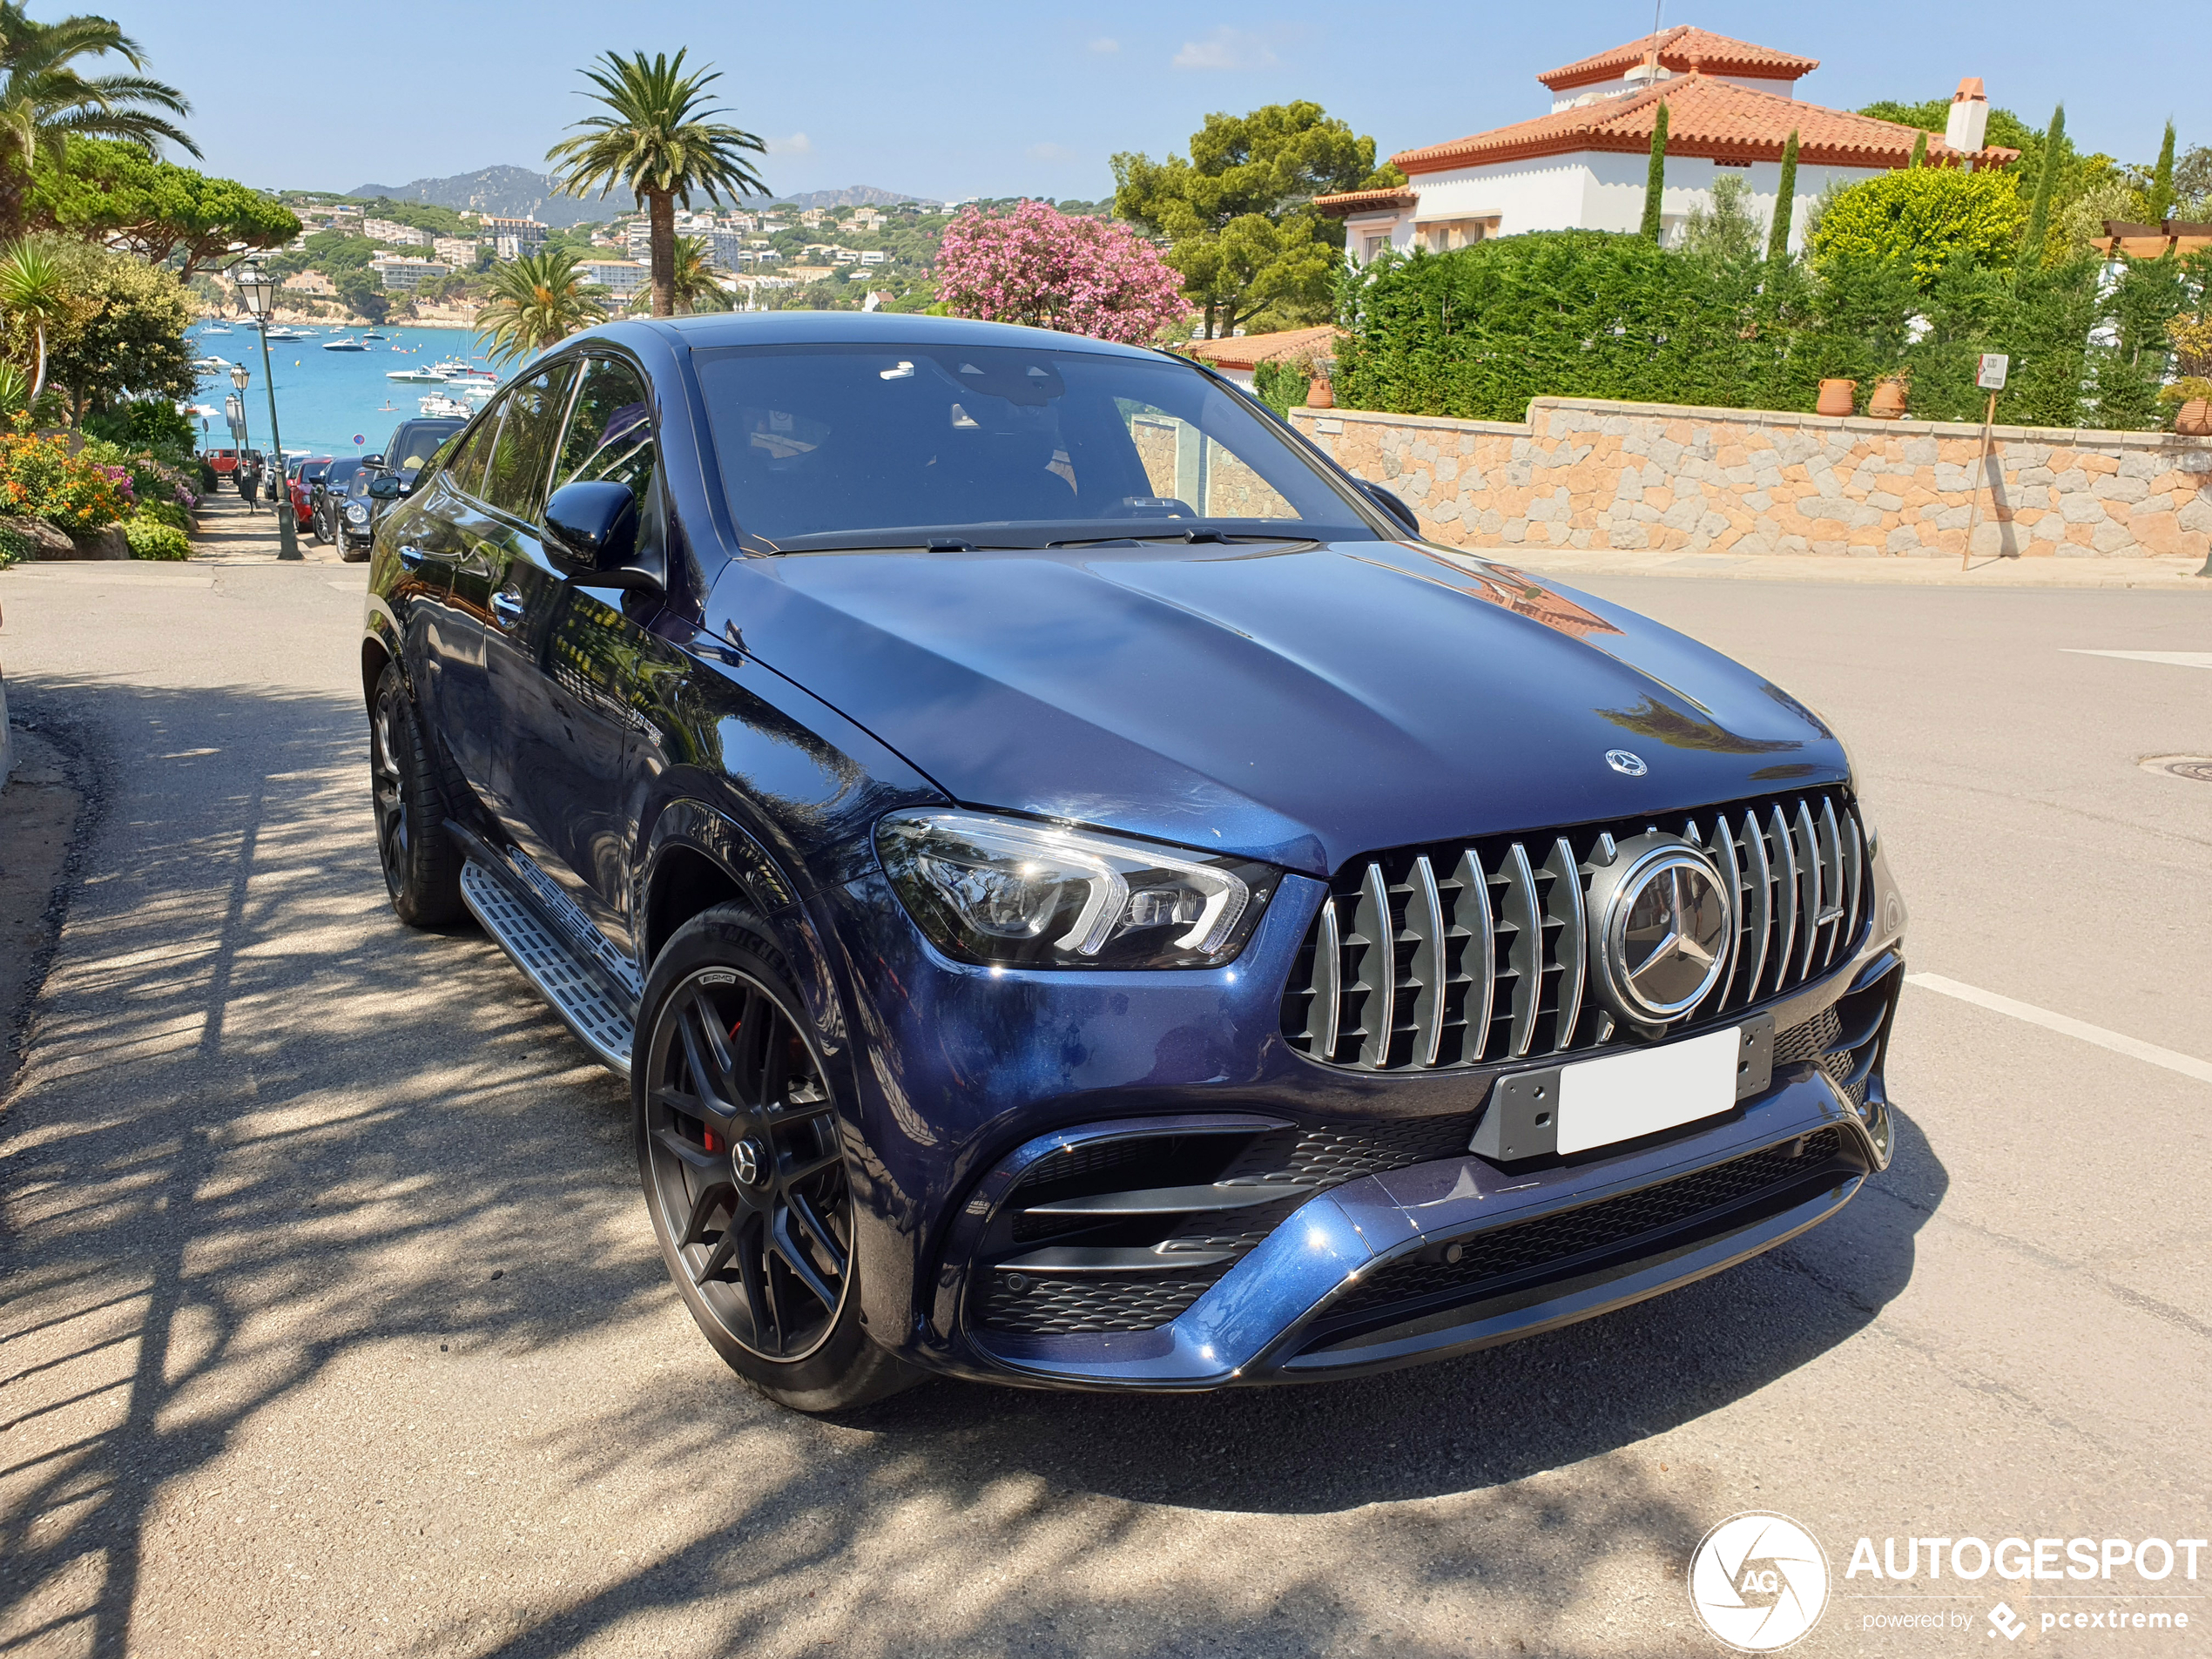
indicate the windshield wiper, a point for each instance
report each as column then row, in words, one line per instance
column 1191, row 536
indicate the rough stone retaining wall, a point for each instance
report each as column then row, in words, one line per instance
column 1585, row 474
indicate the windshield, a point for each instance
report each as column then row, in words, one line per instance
column 340, row 470
column 850, row 446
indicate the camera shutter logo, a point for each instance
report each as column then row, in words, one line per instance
column 1758, row 1581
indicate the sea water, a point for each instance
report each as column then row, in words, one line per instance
column 328, row 402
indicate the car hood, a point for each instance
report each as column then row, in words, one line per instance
column 1299, row 704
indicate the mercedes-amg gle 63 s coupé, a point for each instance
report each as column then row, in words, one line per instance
column 1083, row 895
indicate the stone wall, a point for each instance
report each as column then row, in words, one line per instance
column 1584, row 474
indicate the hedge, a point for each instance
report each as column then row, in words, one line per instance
column 150, row 539
column 1478, row 333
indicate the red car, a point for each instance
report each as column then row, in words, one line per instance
column 301, row 474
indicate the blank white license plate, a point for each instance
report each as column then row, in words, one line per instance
column 1639, row 1093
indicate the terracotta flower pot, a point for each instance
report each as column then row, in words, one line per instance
column 1888, row 401
column 1321, row 394
column 1835, row 397
column 2194, row 418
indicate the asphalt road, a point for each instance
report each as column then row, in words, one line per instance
column 331, row 1323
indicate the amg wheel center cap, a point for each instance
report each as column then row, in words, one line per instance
column 745, row 1162
column 1661, row 921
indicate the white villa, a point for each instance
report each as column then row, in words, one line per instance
column 1730, row 109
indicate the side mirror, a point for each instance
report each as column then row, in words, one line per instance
column 372, row 461
column 384, row 487
column 1390, row 504
column 591, row 529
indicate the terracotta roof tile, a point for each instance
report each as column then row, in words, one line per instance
column 1248, row 351
column 1682, row 49
column 1706, row 117
column 1365, row 201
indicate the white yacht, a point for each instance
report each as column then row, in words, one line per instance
column 346, row 344
column 439, row 403
column 428, row 376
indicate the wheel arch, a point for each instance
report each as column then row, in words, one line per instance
column 697, row 857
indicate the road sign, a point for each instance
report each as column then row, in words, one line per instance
column 360, row 438
column 1993, row 365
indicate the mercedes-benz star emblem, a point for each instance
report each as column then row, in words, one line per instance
column 1660, row 919
column 1629, row 765
column 744, row 1162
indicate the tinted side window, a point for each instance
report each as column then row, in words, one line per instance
column 467, row 469
column 610, row 434
column 515, row 481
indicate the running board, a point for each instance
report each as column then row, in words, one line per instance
column 575, row 992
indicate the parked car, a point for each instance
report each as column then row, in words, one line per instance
column 325, row 495
column 1083, row 894
column 391, row 473
column 302, row 474
column 223, row 462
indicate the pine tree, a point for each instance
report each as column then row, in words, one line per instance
column 1785, row 203
column 1655, row 181
column 2039, row 214
column 1920, row 151
column 2162, row 180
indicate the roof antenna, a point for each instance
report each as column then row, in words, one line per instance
column 1651, row 58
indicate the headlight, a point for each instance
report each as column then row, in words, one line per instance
column 1014, row 893
column 356, row 513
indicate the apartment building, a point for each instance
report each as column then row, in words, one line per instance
column 404, row 274
column 394, row 234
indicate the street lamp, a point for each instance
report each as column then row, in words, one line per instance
column 258, row 290
column 235, row 406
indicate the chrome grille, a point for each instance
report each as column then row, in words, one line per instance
column 1476, row 952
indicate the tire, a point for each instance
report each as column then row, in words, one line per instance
column 741, row 1154
column 421, row 865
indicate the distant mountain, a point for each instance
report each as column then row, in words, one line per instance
column 855, row 196
column 516, row 193
column 509, row 193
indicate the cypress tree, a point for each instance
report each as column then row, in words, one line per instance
column 2161, row 179
column 2039, row 214
column 1785, row 203
column 1920, row 151
column 1655, row 181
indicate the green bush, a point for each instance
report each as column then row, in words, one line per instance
column 1479, row 333
column 154, row 424
column 165, row 512
column 152, row 539
column 1925, row 216
column 14, row 545
column 1283, row 387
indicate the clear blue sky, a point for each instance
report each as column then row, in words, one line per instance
column 996, row 99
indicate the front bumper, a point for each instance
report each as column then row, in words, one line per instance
column 1358, row 1277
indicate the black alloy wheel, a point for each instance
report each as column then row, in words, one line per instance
column 421, row 866
column 741, row 1153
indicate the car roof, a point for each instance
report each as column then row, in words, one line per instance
column 849, row 328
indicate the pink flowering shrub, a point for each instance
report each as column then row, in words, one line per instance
column 1052, row 270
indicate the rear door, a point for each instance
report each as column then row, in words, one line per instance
column 431, row 542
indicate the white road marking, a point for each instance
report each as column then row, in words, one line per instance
column 2187, row 1065
column 2172, row 658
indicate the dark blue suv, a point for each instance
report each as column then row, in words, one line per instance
column 1082, row 894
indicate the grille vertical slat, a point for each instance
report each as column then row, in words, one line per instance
column 1722, row 848
column 1377, row 969
column 1762, row 909
column 1786, row 893
column 1526, row 957
column 1326, row 1009
column 1804, row 845
column 1406, row 966
column 1471, row 911
column 1424, row 920
column 1564, row 905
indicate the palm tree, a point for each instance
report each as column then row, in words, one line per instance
column 44, row 100
column 31, row 288
column 660, row 142
column 538, row 300
column 691, row 283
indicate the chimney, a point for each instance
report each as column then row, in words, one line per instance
column 1969, row 122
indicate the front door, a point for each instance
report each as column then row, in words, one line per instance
column 597, row 659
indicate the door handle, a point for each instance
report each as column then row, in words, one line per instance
column 507, row 606
column 411, row 556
